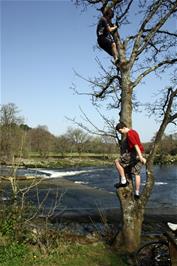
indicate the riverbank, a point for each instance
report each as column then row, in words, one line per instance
column 62, row 162
column 76, row 202
column 86, row 231
column 79, row 217
column 83, row 160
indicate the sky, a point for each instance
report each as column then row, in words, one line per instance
column 43, row 43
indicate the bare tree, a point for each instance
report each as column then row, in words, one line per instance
column 10, row 131
column 78, row 138
column 62, row 145
column 150, row 49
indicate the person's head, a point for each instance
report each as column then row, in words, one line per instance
column 108, row 12
column 122, row 128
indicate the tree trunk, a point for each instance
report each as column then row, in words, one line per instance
column 132, row 211
column 126, row 100
column 128, row 239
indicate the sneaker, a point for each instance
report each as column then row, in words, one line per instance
column 118, row 185
column 116, row 61
column 136, row 197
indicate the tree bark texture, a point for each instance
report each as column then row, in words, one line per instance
column 128, row 239
column 126, row 100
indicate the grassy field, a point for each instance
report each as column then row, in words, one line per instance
column 66, row 254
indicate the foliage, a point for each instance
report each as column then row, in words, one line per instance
column 41, row 140
column 13, row 254
column 18, row 139
column 168, row 145
column 65, row 254
column 12, row 222
column 10, row 131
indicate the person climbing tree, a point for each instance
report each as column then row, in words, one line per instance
column 105, row 31
column 145, row 48
column 132, row 158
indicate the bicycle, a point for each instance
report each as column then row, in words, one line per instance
column 161, row 252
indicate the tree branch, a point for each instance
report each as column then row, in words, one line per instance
column 118, row 18
column 108, row 84
column 155, row 29
column 164, row 32
column 153, row 9
column 96, row 131
column 146, row 40
column 166, row 120
column 151, row 69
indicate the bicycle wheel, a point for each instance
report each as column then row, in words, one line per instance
column 155, row 253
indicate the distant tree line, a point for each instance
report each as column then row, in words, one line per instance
column 19, row 140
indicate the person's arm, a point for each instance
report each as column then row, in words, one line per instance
column 142, row 159
column 111, row 29
column 109, row 26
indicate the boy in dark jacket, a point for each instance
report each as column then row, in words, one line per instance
column 105, row 31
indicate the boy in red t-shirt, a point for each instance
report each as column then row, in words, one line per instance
column 131, row 157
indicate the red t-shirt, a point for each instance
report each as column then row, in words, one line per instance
column 134, row 139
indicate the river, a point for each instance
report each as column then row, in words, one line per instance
column 101, row 181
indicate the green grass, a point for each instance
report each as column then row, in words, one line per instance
column 70, row 154
column 71, row 254
column 70, row 160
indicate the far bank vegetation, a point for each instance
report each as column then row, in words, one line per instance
column 18, row 140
